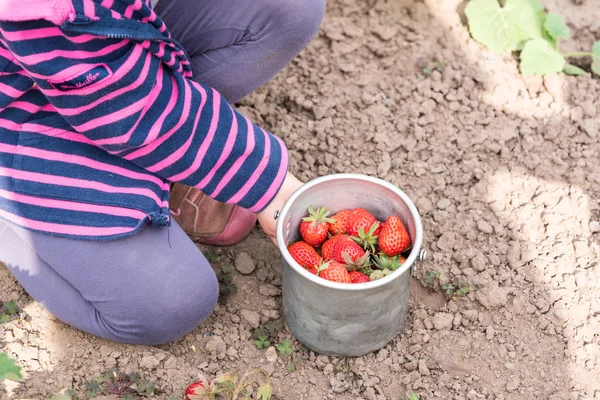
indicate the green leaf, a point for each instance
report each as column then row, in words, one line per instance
column 596, row 51
column 10, row 308
column 596, row 58
column 264, row 392
column 60, row 397
column 226, row 269
column 503, row 29
column 412, row 396
column 571, row 69
column 285, row 348
column 556, row 27
column 538, row 58
column 8, row 368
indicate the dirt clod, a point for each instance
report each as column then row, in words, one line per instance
column 442, row 321
column 244, row 263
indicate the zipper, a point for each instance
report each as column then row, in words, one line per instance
column 121, row 29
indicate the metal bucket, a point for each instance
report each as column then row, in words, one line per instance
column 344, row 319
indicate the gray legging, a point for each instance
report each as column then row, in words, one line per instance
column 141, row 289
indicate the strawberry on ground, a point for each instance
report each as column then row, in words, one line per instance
column 338, row 227
column 360, row 218
column 358, row 277
column 315, row 228
column 393, row 238
column 334, row 271
column 327, row 248
column 199, row 391
column 304, row 254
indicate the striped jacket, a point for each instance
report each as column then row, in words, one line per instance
column 98, row 114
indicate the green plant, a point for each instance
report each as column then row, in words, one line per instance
column 430, row 278
column 435, row 67
column 8, row 368
column 412, row 396
column 232, row 388
column 262, row 342
column 8, row 311
column 285, row 348
column 455, row 288
column 524, row 25
column 226, row 285
column 264, row 336
column 112, row 383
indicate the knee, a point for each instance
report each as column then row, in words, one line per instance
column 181, row 310
column 168, row 312
column 296, row 22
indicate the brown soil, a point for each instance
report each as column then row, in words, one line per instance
column 505, row 172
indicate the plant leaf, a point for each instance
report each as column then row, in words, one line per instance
column 596, row 58
column 8, row 368
column 571, row 69
column 556, row 27
column 538, row 58
column 412, row 396
column 596, row 51
column 507, row 28
column 264, row 392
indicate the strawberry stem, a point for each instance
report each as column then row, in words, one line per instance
column 321, row 215
column 367, row 240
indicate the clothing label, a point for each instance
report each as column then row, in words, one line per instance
column 94, row 75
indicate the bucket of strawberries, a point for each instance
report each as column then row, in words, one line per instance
column 349, row 243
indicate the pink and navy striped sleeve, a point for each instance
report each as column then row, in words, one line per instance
column 135, row 100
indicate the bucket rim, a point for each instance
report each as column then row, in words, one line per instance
column 411, row 259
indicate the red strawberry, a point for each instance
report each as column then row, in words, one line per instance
column 358, row 277
column 312, row 270
column 334, row 271
column 346, row 246
column 360, row 218
column 327, row 249
column 315, row 228
column 304, row 254
column 339, row 226
column 198, row 391
column 393, row 238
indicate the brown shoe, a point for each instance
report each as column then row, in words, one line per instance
column 208, row 221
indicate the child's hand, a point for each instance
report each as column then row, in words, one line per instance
column 265, row 217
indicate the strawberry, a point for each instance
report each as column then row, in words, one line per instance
column 304, row 254
column 345, row 245
column 199, row 391
column 338, row 227
column 334, row 271
column 358, row 277
column 346, row 251
column 327, row 248
column 393, row 238
column 315, row 228
column 360, row 218
column 312, row 270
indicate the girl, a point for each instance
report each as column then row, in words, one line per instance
column 116, row 131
